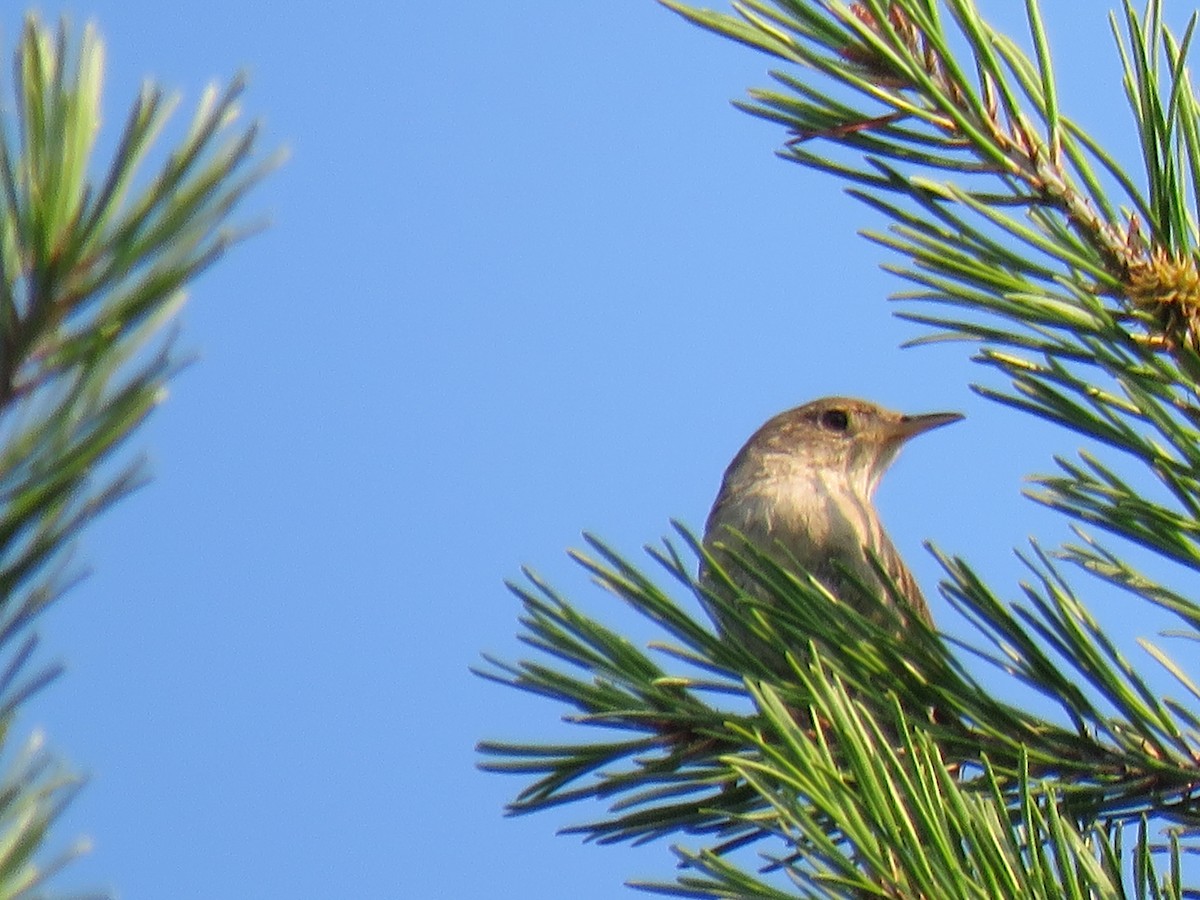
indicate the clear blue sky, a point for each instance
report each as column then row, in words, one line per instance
column 529, row 274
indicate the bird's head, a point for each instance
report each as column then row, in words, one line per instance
column 841, row 436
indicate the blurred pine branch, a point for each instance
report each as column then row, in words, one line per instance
column 93, row 269
column 1079, row 284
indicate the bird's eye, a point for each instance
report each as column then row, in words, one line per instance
column 835, row 419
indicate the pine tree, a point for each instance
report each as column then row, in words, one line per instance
column 1079, row 290
column 92, row 272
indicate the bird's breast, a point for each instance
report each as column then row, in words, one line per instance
column 814, row 516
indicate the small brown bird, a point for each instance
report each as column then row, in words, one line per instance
column 801, row 491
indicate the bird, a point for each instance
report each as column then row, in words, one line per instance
column 801, row 490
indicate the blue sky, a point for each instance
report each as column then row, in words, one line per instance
column 528, row 274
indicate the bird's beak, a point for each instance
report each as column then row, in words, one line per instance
column 911, row 426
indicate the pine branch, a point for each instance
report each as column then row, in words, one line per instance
column 91, row 275
column 673, row 774
column 998, row 209
column 908, row 831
